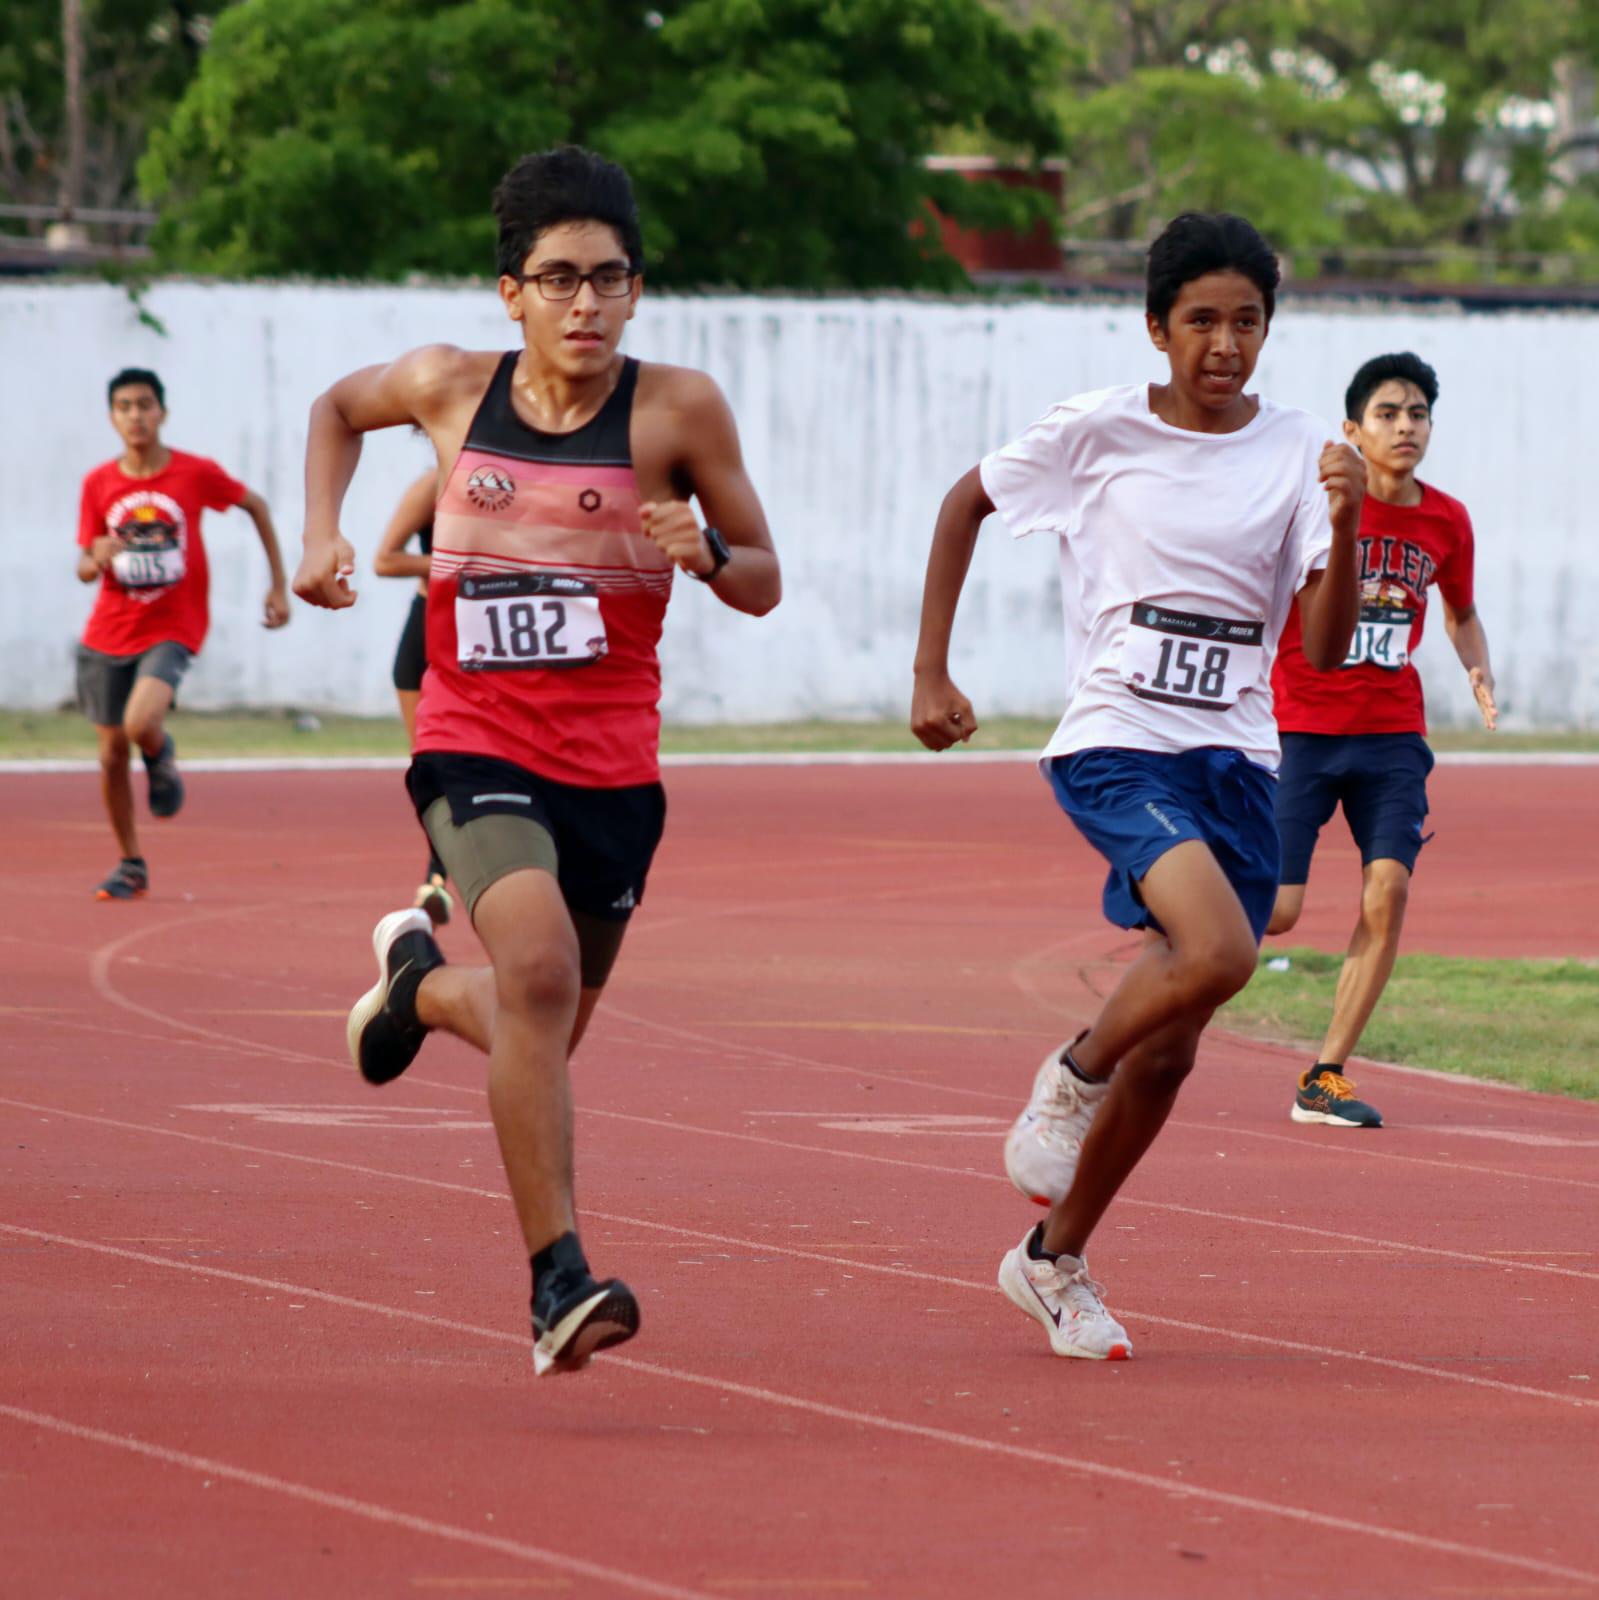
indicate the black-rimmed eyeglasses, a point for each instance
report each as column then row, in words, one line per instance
column 563, row 284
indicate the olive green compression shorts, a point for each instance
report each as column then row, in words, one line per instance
column 487, row 819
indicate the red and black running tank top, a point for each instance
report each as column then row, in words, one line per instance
column 545, row 599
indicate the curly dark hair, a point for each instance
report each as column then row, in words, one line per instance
column 568, row 184
column 1198, row 242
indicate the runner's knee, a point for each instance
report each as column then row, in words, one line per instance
column 1384, row 898
column 538, row 980
column 114, row 750
column 1286, row 912
column 1214, row 969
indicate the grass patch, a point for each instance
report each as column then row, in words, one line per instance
column 63, row 735
column 1530, row 1023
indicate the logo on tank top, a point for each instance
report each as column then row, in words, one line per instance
column 589, row 500
column 490, row 489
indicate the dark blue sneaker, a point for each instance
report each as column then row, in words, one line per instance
column 166, row 786
column 130, row 881
column 1326, row 1095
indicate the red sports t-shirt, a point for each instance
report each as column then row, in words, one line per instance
column 158, row 587
column 1403, row 551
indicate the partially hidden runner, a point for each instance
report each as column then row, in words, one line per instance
column 563, row 512
column 1357, row 737
column 1191, row 515
column 139, row 539
column 413, row 519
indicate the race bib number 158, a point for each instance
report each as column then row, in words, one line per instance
column 523, row 621
column 1185, row 659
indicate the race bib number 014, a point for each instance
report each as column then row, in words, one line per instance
column 151, row 566
column 524, row 621
column 1183, row 659
column 1382, row 638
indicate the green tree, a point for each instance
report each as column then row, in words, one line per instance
column 139, row 55
column 1359, row 122
column 773, row 142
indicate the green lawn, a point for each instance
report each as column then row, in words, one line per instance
column 61, row 735
column 1532, row 1023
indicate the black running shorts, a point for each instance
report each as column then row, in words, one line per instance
column 487, row 818
column 411, row 657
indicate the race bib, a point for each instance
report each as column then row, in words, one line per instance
column 153, row 565
column 521, row 621
column 1184, row 659
column 1382, row 637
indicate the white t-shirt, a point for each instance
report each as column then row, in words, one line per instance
column 1180, row 554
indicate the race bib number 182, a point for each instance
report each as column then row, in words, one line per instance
column 522, row 621
column 1184, row 659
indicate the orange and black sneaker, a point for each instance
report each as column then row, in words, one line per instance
column 129, row 881
column 1326, row 1095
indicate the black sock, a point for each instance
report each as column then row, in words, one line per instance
column 1326, row 1066
column 1069, row 1061
column 420, row 955
column 1035, row 1246
column 563, row 1255
column 133, row 861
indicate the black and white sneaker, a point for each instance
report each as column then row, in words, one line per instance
column 383, row 1032
column 573, row 1316
column 166, row 783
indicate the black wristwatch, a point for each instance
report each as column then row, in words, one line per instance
column 720, row 554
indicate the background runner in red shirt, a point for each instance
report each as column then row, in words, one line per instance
column 1356, row 737
column 139, row 538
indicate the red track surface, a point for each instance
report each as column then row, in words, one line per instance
column 264, row 1329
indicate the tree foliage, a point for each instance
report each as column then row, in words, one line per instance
column 139, row 55
column 773, row 142
column 1363, row 122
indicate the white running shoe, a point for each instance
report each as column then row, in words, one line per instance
column 1062, row 1296
column 1044, row 1142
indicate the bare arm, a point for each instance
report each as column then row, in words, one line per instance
column 1329, row 603
column 751, row 581
column 413, row 389
column 415, row 510
column 275, row 610
column 940, row 714
column 1470, row 639
column 93, row 559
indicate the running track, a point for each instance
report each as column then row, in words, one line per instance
column 264, row 1329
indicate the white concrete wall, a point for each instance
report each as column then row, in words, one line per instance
column 855, row 414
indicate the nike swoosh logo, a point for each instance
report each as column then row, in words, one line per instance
column 1054, row 1316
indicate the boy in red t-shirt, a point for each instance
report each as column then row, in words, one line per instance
column 1356, row 736
column 139, row 535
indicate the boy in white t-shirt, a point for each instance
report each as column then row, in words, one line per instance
column 1190, row 515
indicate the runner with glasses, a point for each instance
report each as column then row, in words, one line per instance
column 565, row 472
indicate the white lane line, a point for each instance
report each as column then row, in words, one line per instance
column 331, row 1501
column 100, row 977
column 867, row 1419
column 1320, row 1232
column 757, row 1247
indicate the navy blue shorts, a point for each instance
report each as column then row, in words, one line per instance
column 1381, row 781
column 1135, row 805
